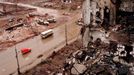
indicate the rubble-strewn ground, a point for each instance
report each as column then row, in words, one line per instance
column 9, row 37
column 55, row 62
column 57, row 4
column 29, row 17
column 98, row 59
column 29, row 29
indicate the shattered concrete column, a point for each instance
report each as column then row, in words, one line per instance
column 86, row 11
column 112, row 14
column 94, row 10
column 102, row 15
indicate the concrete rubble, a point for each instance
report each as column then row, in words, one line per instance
column 106, row 46
column 16, row 28
column 114, row 39
column 107, row 39
column 105, row 59
column 28, row 21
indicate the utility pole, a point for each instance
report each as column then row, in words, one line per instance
column 18, row 65
column 16, row 5
column 66, row 34
column 4, row 8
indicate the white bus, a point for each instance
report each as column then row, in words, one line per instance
column 46, row 33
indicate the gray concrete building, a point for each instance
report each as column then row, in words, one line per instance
column 95, row 12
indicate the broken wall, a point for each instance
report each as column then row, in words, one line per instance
column 89, row 10
column 112, row 7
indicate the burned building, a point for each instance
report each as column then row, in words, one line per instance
column 125, row 12
column 100, row 9
column 98, row 13
column 110, row 21
column 111, row 15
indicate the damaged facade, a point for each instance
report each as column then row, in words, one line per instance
column 105, row 20
column 108, row 50
column 110, row 15
column 96, row 13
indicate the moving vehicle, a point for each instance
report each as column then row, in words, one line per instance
column 47, row 33
column 25, row 50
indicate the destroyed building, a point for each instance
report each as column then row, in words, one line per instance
column 96, row 12
column 108, row 48
column 103, row 19
column 107, row 14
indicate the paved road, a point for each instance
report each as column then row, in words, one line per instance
column 39, row 46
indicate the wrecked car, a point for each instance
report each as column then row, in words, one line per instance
column 42, row 22
column 51, row 20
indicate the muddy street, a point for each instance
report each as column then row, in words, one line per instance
column 39, row 46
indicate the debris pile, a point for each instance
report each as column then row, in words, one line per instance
column 97, row 59
column 54, row 64
column 18, row 29
column 59, row 4
column 106, row 59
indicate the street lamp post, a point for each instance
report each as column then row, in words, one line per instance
column 66, row 35
column 18, row 65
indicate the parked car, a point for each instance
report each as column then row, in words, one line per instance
column 42, row 22
column 51, row 20
column 25, row 50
